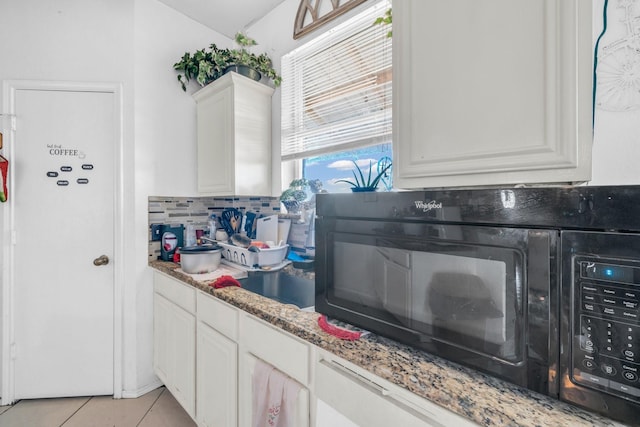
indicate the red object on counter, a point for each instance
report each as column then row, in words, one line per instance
column 224, row 281
column 336, row 331
column 176, row 255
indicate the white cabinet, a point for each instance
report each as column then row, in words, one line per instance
column 491, row 92
column 174, row 333
column 350, row 396
column 261, row 341
column 206, row 351
column 217, row 363
column 234, row 137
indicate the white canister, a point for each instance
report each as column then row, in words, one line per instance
column 221, row 235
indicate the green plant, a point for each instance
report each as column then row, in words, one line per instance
column 298, row 189
column 206, row 66
column 295, row 197
column 359, row 180
column 387, row 19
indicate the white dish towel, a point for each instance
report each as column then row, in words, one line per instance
column 274, row 397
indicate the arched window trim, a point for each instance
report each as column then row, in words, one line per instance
column 311, row 9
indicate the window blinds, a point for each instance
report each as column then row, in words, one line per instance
column 336, row 89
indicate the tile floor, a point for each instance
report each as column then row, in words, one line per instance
column 157, row 408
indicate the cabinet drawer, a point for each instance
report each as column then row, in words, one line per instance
column 277, row 348
column 178, row 293
column 219, row 315
column 349, row 392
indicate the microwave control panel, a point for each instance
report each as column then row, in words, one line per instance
column 606, row 326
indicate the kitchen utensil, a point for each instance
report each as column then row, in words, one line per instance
column 231, row 220
column 250, row 224
column 200, row 259
column 240, row 240
column 267, row 229
column 284, row 226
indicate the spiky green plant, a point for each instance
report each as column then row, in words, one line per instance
column 359, row 180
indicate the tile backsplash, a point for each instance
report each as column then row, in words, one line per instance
column 197, row 210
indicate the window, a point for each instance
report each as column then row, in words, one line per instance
column 336, row 100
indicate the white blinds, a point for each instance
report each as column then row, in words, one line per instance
column 336, row 89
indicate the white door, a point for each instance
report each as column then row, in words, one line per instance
column 64, row 149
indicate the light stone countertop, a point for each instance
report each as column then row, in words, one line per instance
column 483, row 399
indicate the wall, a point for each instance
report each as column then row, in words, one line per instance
column 165, row 151
column 616, row 145
column 134, row 42
column 196, row 211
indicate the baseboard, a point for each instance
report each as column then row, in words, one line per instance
column 133, row 394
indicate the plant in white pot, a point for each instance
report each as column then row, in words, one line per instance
column 206, row 66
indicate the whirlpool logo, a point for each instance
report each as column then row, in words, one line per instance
column 428, row 206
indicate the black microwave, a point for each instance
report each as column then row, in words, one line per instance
column 513, row 282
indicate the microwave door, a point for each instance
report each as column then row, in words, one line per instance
column 462, row 298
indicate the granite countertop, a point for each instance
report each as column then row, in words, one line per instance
column 482, row 399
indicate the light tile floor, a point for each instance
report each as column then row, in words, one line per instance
column 157, row 408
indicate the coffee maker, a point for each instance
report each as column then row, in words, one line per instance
column 171, row 237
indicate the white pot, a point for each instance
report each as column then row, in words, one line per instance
column 200, row 259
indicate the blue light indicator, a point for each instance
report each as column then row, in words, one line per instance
column 608, row 272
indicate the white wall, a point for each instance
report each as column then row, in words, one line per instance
column 616, row 145
column 134, row 42
column 165, row 153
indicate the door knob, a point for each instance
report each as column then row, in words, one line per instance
column 101, row 260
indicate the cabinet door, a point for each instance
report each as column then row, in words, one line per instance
column 174, row 350
column 161, row 337
column 234, row 137
column 217, row 367
column 491, row 92
column 215, row 129
column 183, row 342
column 245, row 408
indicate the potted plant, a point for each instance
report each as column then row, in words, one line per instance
column 299, row 194
column 359, row 184
column 206, row 66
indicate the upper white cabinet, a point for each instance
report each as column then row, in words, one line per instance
column 234, row 137
column 491, row 92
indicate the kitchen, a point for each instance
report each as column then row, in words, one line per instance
column 132, row 43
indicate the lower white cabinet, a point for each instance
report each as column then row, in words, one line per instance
column 206, row 350
column 217, row 363
column 349, row 396
column 217, row 379
column 174, row 333
column 288, row 354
